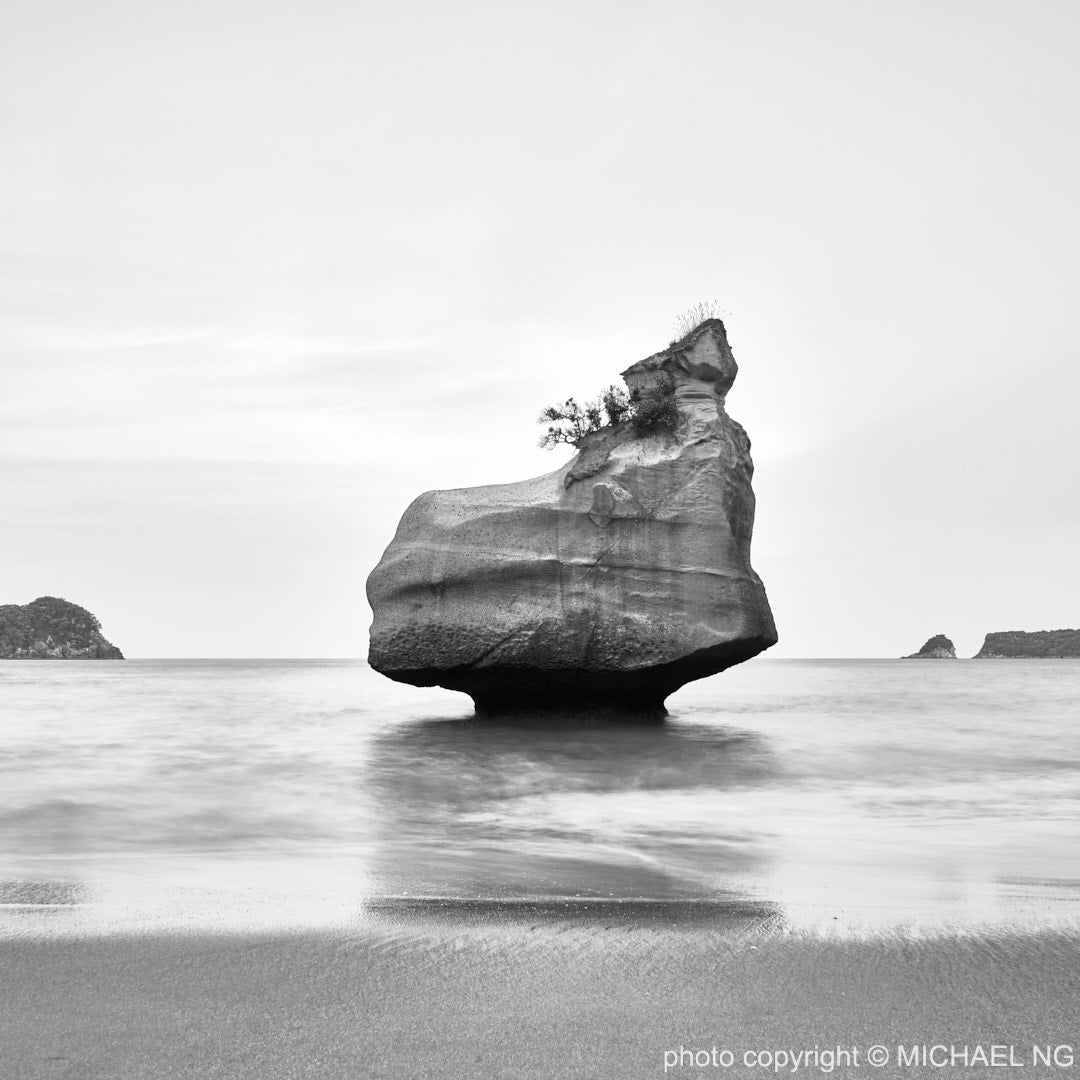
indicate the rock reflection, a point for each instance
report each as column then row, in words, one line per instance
column 40, row 902
column 43, row 893
column 730, row 915
column 473, row 811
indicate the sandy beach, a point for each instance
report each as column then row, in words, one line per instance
column 601, row 997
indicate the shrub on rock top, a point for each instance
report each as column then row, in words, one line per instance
column 570, row 422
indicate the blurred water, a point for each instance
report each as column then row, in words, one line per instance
column 877, row 794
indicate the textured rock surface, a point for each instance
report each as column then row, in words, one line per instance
column 1036, row 644
column 939, row 647
column 50, row 628
column 611, row 581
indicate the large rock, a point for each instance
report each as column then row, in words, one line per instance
column 610, row 582
column 50, row 628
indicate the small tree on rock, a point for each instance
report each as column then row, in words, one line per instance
column 569, row 422
column 648, row 412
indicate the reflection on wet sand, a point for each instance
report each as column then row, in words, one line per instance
column 593, row 921
column 621, row 812
column 29, row 906
column 48, row 894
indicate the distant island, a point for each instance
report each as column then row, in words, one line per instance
column 1033, row 645
column 51, row 628
column 939, row 647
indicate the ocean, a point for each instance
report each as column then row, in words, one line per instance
column 843, row 796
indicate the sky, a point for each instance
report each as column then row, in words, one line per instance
column 270, row 271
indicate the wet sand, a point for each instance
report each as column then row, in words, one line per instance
column 459, row 995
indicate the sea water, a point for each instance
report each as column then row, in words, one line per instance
column 839, row 794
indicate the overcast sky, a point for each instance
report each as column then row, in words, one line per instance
column 271, row 270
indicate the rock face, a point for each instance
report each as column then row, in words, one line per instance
column 939, row 647
column 1035, row 645
column 49, row 628
column 610, row 582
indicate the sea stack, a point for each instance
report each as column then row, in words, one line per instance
column 50, row 628
column 606, row 584
column 939, row 647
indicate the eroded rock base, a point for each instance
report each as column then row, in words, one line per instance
column 507, row 693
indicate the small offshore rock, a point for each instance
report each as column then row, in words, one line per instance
column 939, row 647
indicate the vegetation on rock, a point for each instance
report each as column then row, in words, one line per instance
column 654, row 410
column 648, row 411
column 570, row 422
column 693, row 317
